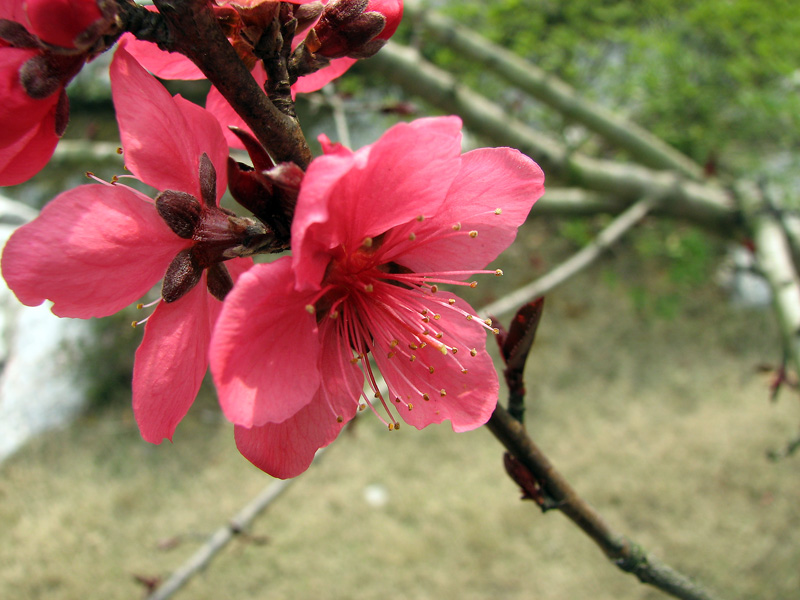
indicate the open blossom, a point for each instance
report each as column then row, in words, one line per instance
column 98, row 248
column 376, row 233
column 43, row 45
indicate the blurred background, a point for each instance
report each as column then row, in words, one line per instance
column 648, row 386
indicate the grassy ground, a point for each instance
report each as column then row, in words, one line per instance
column 662, row 424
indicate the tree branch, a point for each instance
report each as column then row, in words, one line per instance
column 643, row 146
column 774, row 260
column 195, row 33
column 706, row 204
column 623, row 552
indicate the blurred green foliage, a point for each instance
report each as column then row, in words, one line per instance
column 717, row 79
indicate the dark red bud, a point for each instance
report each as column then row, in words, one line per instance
column 220, row 281
column 182, row 275
column 42, row 75
column 181, row 211
column 208, row 181
column 15, row 34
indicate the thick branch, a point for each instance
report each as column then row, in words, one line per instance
column 641, row 144
column 774, row 260
column 196, row 34
column 705, row 204
column 624, row 553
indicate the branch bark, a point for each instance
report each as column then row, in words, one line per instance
column 195, row 33
column 620, row 550
column 643, row 146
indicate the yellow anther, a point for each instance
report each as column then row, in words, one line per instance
column 469, row 317
column 369, row 288
column 473, row 284
column 339, row 419
column 397, row 400
column 442, row 392
column 134, row 324
column 451, row 301
column 473, row 352
column 498, row 211
column 488, row 322
column 390, row 355
column 362, row 407
column 412, row 237
column 499, row 272
column 434, row 289
column 412, row 358
column 140, row 306
column 464, row 371
column 367, row 243
column 437, row 317
column 310, row 309
column 423, row 312
column 410, row 407
column 393, row 343
column 473, row 234
column 422, row 345
column 426, row 320
column 426, row 397
column 421, row 218
column 430, row 369
column 413, row 347
column 391, row 426
column 119, row 150
column 496, row 331
column 439, row 335
column 334, row 314
column 457, row 227
column 454, row 350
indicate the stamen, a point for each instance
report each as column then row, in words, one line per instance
column 457, row 227
column 498, row 211
column 473, row 234
column 367, row 243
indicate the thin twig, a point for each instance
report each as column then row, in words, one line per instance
column 576, row 263
column 219, row 539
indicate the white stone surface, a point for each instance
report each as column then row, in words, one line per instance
column 38, row 386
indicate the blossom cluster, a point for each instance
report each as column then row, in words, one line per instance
column 358, row 315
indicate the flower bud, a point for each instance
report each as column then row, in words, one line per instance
column 355, row 28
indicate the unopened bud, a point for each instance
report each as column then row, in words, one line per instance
column 355, row 28
column 180, row 211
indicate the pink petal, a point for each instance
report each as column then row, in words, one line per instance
column 153, row 126
column 227, row 117
column 20, row 113
column 317, row 81
column 92, row 251
column 162, row 64
column 403, row 175
column 13, row 10
column 29, row 154
column 172, row 361
column 265, row 348
column 286, row 449
column 489, row 179
column 470, row 397
column 59, row 22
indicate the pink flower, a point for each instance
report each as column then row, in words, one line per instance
column 375, row 233
column 97, row 248
column 43, row 45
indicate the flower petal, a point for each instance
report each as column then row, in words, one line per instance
column 319, row 79
column 489, row 179
column 265, row 348
column 286, row 449
column 29, row 154
column 469, row 398
column 172, row 361
column 92, row 251
column 153, row 126
column 403, row 175
column 162, row 64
